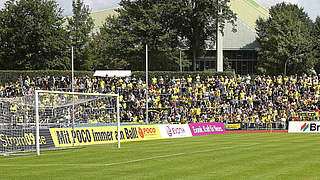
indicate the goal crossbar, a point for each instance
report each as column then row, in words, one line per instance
column 76, row 93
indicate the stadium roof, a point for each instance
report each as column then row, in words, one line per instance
column 248, row 11
column 99, row 17
column 243, row 39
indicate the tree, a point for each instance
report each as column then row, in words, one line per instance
column 139, row 23
column 165, row 26
column 226, row 64
column 316, row 35
column 32, row 35
column 117, row 42
column 196, row 21
column 80, row 26
column 285, row 41
column 103, row 58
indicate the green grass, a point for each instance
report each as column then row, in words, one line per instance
column 229, row 156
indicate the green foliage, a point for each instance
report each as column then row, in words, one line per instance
column 286, row 41
column 226, row 64
column 80, row 26
column 13, row 76
column 165, row 26
column 139, row 23
column 196, row 21
column 316, row 37
column 32, row 35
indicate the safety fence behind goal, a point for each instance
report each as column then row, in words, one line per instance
column 41, row 121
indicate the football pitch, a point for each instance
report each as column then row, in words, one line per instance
column 228, row 156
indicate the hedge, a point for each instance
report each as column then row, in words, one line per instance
column 170, row 74
column 13, row 76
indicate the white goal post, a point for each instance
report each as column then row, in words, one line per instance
column 73, row 95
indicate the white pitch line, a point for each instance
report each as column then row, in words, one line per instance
column 124, row 162
column 33, row 155
column 164, row 156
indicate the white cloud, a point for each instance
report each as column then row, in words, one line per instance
column 104, row 4
column 269, row 3
column 95, row 5
column 2, row 3
column 311, row 6
column 291, row 1
column 88, row 3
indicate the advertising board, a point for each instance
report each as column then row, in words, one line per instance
column 148, row 132
column 16, row 140
column 63, row 137
column 304, row 127
column 200, row 129
column 175, row 130
column 233, row 126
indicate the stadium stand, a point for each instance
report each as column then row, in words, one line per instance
column 254, row 102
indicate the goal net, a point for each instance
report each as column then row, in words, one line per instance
column 52, row 120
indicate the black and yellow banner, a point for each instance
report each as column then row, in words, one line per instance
column 233, row 126
column 308, row 116
column 23, row 139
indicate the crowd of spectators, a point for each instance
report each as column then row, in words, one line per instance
column 259, row 100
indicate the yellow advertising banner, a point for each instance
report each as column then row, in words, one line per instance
column 233, row 126
column 64, row 137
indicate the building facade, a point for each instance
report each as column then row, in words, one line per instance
column 238, row 47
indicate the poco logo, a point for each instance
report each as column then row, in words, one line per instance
column 141, row 132
column 147, row 132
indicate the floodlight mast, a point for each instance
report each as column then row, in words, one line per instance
column 219, row 42
column 180, row 59
column 118, row 118
column 147, row 86
column 72, row 89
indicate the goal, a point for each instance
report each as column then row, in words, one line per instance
column 50, row 120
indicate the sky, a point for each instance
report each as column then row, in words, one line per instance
column 312, row 7
column 95, row 5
